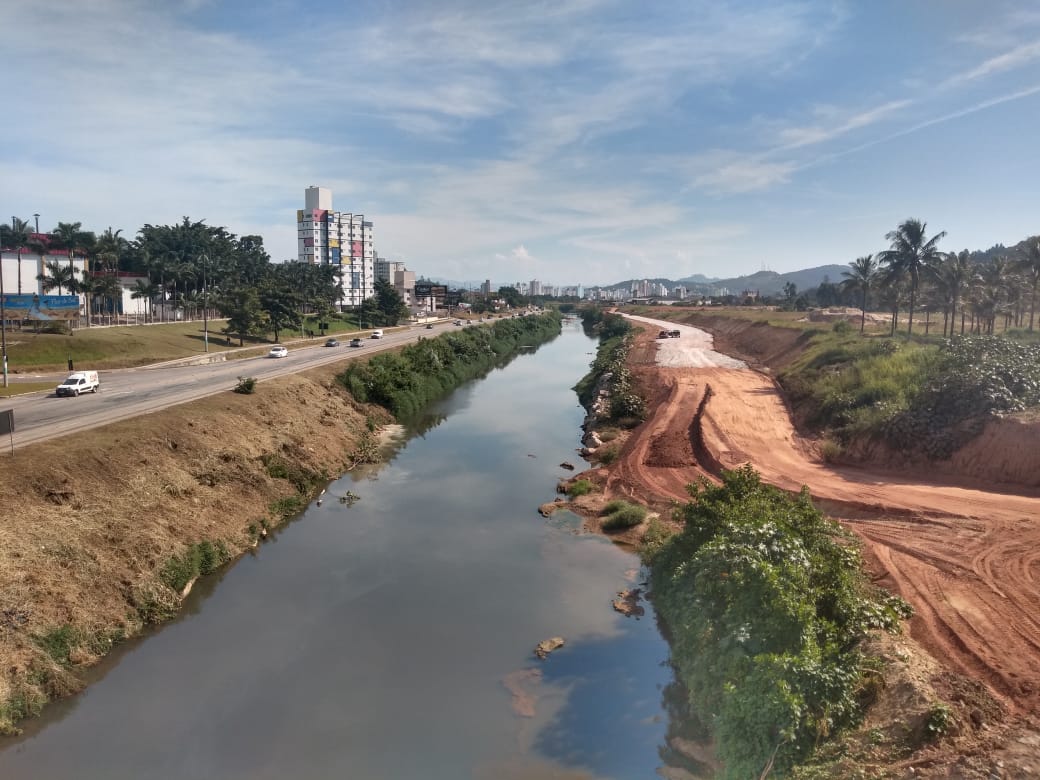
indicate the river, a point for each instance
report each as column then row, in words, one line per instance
column 392, row 636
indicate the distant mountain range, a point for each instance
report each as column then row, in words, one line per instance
column 766, row 282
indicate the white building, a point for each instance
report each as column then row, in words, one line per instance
column 337, row 238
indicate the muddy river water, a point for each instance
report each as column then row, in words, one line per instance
column 393, row 636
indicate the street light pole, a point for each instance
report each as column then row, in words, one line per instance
column 205, row 302
column 3, row 323
column 37, row 216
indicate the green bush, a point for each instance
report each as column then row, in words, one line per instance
column 300, row 477
column 59, row 642
column 288, row 507
column 655, row 538
column 202, row 558
column 973, row 379
column 627, row 408
column 405, row 382
column 246, row 385
column 579, row 487
column 940, row 718
column 767, row 605
column 620, row 515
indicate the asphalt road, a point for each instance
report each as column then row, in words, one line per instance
column 128, row 392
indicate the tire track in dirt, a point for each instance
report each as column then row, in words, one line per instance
column 968, row 559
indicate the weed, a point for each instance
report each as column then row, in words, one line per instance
column 831, row 451
column 940, row 718
column 579, row 487
column 654, row 539
column 59, row 642
column 202, row 558
column 621, row 515
column 287, row 508
column 606, row 455
column 246, row 385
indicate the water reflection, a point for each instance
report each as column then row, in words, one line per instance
column 376, row 639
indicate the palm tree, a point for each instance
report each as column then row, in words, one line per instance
column 952, row 276
column 147, row 290
column 109, row 248
column 1028, row 263
column 60, row 276
column 860, row 279
column 108, row 288
column 990, row 293
column 910, row 253
column 17, row 235
column 71, row 237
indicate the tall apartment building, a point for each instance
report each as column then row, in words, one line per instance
column 337, row 238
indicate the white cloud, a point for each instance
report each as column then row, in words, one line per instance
column 1018, row 57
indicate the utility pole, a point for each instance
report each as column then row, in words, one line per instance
column 37, row 216
column 205, row 302
column 3, row 322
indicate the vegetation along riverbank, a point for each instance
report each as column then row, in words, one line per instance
column 726, row 565
column 104, row 531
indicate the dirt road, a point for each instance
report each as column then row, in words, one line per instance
column 967, row 559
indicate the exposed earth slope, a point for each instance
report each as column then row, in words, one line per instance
column 967, row 558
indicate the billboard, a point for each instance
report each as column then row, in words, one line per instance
column 424, row 290
column 41, row 307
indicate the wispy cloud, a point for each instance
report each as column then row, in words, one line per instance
column 566, row 138
column 1018, row 57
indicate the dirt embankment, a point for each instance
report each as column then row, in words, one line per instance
column 1006, row 452
column 90, row 520
column 966, row 556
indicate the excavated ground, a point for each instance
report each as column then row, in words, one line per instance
column 967, row 558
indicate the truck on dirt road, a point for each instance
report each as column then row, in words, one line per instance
column 79, row 382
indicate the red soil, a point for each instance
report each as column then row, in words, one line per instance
column 968, row 559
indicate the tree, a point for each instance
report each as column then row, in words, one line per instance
column 860, row 279
column 71, row 237
column 952, row 276
column 147, row 290
column 16, row 235
column 109, row 249
column 910, row 253
column 282, row 306
column 56, row 275
column 512, row 297
column 1028, row 263
column 108, row 288
column 245, row 315
column 386, row 307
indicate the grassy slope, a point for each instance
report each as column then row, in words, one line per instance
column 126, row 346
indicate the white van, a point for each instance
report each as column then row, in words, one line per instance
column 79, row 382
column 377, row 334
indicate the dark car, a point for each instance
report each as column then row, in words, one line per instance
column 429, row 326
column 332, row 343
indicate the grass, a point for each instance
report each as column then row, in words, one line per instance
column 124, row 346
column 620, row 515
column 202, row 558
column 20, row 388
column 580, row 487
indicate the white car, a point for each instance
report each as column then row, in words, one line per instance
column 278, row 352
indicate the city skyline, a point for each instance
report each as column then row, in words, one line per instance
column 582, row 141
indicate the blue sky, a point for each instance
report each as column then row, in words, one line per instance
column 572, row 141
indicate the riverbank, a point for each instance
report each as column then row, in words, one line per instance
column 95, row 523
column 104, row 532
column 922, row 541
